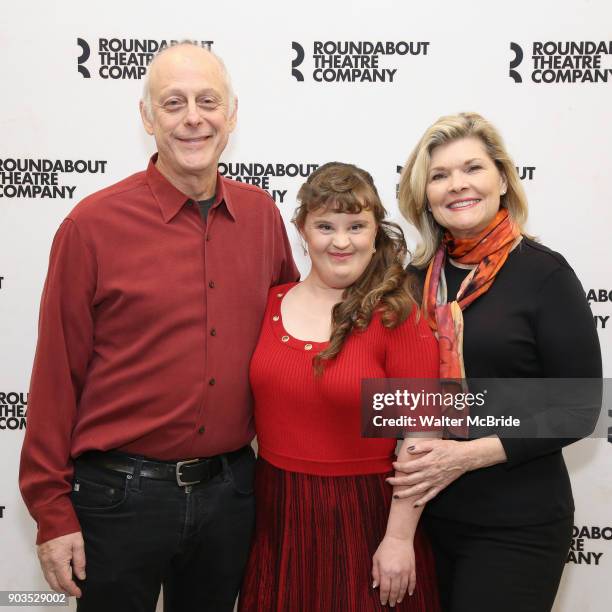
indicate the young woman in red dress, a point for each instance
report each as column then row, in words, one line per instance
column 329, row 536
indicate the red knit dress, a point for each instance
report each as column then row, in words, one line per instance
column 322, row 500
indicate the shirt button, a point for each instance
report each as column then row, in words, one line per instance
column 279, row 295
column 307, row 347
column 202, row 429
column 213, row 332
column 211, row 284
column 212, row 382
column 275, row 318
column 189, row 202
column 285, row 338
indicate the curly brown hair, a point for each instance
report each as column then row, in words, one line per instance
column 384, row 284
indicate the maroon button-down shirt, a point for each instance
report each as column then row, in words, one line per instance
column 148, row 320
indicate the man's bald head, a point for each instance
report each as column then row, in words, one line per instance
column 190, row 110
column 192, row 49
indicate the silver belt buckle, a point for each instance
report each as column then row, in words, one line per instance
column 179, row 479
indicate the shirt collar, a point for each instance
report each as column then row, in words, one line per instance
column 171, row 200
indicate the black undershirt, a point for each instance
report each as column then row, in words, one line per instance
column 205, row 206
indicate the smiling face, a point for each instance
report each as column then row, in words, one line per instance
column 190, row 112
column 464, row 187
column 340, row 245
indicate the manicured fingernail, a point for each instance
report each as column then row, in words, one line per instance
column 417, row 504
column 411, row 593
column 374, row 584
column 411, row 447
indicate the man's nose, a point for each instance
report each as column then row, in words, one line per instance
column 193, row 115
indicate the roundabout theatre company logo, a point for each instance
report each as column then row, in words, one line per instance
column 26, row 177
column 584, row 539
column 275, row 178
column 13, row 410
column 600, row 301
column 122, row 58
column 352, row 61
column 567, row 61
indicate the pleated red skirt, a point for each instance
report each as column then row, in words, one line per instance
column 314, row 541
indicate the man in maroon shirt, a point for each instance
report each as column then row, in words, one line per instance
column 136, row 464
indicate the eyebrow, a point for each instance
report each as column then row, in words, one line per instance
column 204, row 92
column 324, row 220
column 465, row 163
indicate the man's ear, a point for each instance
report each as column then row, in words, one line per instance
column 146, row 120
column 234, row 116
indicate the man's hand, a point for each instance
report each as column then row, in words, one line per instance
column 60, row 558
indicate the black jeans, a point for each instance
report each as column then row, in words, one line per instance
column 500, row 569
column 141, row 533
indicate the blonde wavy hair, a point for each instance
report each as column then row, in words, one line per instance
column 383, row 285
column 413, row 181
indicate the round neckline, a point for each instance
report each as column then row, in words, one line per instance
column 282, row 335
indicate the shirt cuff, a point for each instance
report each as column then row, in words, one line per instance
column 55, row 520
column 515, row 451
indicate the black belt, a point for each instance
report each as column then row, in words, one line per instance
column 184, row 473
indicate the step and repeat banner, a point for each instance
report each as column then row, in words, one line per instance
column 316, row 81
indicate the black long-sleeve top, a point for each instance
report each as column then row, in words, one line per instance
column 534, row 322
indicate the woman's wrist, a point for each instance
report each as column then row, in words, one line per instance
column 400, row 537
column 484, row 452
column 403, row 519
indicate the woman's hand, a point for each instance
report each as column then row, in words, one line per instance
column 442, row 462
column 393, row 569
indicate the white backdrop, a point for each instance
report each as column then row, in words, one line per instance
column 449, row 57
